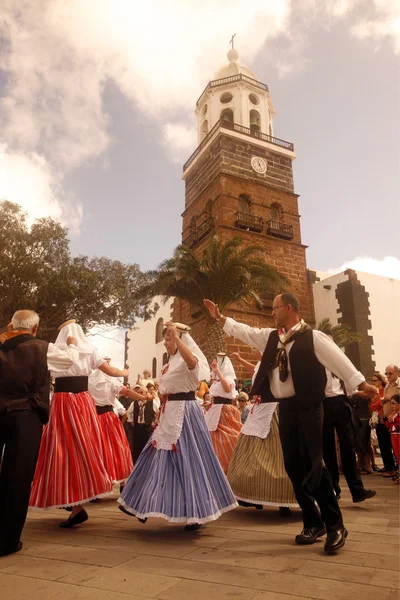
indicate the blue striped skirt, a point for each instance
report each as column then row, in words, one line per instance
column 186, row 485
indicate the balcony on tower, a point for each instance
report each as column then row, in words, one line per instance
column 244, row 220
column 199, row 228
column 280, row 230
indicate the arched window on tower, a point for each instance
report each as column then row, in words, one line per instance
column 204, row 129
column 255, row 120
column 159, row 330
column 154, row 368
column 164, row 358
column 209, row 208
column 275, row 216
column 244, row 204
column 227, row 115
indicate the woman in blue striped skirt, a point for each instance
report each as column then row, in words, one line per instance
column 178, row 476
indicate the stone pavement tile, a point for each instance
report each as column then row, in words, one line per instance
column 327, row 570
column 390, row 540
column 374, row 548
column 40, row 568
column 291, row 549
column 121, row 579
column 266, row 562
column 386, row 578
column 200, row 590
column 275, row 596
column 323, row 589
column 383, row 562
column 34, row 548
column 215, row 573
column 90, row 556
column 15, row 587
column 393, row 531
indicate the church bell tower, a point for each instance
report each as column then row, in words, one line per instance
column 239, row 181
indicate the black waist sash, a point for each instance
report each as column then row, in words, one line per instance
column 182, row 396
column 101, row 410
column 221, row 400
column 75, row 385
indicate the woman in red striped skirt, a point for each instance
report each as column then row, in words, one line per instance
column 223, row 420
column 117, row 454
column 70, row 470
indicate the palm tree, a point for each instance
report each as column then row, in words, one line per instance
column 341, row 333
column 228, row 273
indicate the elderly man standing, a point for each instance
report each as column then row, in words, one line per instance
column 293, row 373
column 25, row 363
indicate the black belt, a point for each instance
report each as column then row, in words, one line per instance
column 101, row 410
column 182, row 396
column 221, row 400
column 75, row 385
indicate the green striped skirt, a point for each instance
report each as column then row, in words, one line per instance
column 257, row 472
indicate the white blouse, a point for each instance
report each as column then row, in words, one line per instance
column 177, row 377
column 83, row 366
column 217, row 389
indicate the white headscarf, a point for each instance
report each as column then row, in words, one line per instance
column 204, row 368
column 84, row 347
column 226, row 367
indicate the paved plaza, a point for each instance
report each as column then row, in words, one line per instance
column 245, row 555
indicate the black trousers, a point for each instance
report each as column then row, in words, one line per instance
column 141, row 435
column 385, row 446
column 20, row 434
column 295, row 436
column 337, row 416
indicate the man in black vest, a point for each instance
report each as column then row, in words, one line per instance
column 292, row 372
column 25, row 363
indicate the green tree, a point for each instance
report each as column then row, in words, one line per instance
column 228, row 273
column 37, row 272
column 342, row 334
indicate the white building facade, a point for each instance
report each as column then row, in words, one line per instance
column 370, row 304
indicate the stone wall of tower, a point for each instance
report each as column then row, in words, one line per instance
column 214, row 183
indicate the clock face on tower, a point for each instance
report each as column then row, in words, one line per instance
column 259, row 165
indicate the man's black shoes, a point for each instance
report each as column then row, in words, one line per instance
column 309, row 535
column 335, row 540
column 364, row 496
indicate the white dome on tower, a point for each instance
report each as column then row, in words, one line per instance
column 234, row 68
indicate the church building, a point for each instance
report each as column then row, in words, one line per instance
column 239, row 181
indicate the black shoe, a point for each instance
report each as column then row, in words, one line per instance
column 81, row 517
column 376, row 469
column 7, row 552
column 192, row 527
column 338, row 496
column 309, row 535
column 364, row 496
column 335, row 540
column 126, row 512
column 284, row 511
column 95, row 500
column 249, row 505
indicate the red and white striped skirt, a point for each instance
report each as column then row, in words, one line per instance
column 225, row 437
column 117, row 454
column 70, row 468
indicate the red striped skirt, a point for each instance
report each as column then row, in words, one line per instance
column 117, row 454
column 70, row 468
column 225, row 437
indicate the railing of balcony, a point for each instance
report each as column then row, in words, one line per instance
column 204, row 224
column 232, row 79
column 223, row 124
column 278, row 229
column 249, row 221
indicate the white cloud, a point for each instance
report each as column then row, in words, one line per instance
column 389, row 266
column 58, row 57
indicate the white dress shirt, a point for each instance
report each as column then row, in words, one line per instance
column 326, row 351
